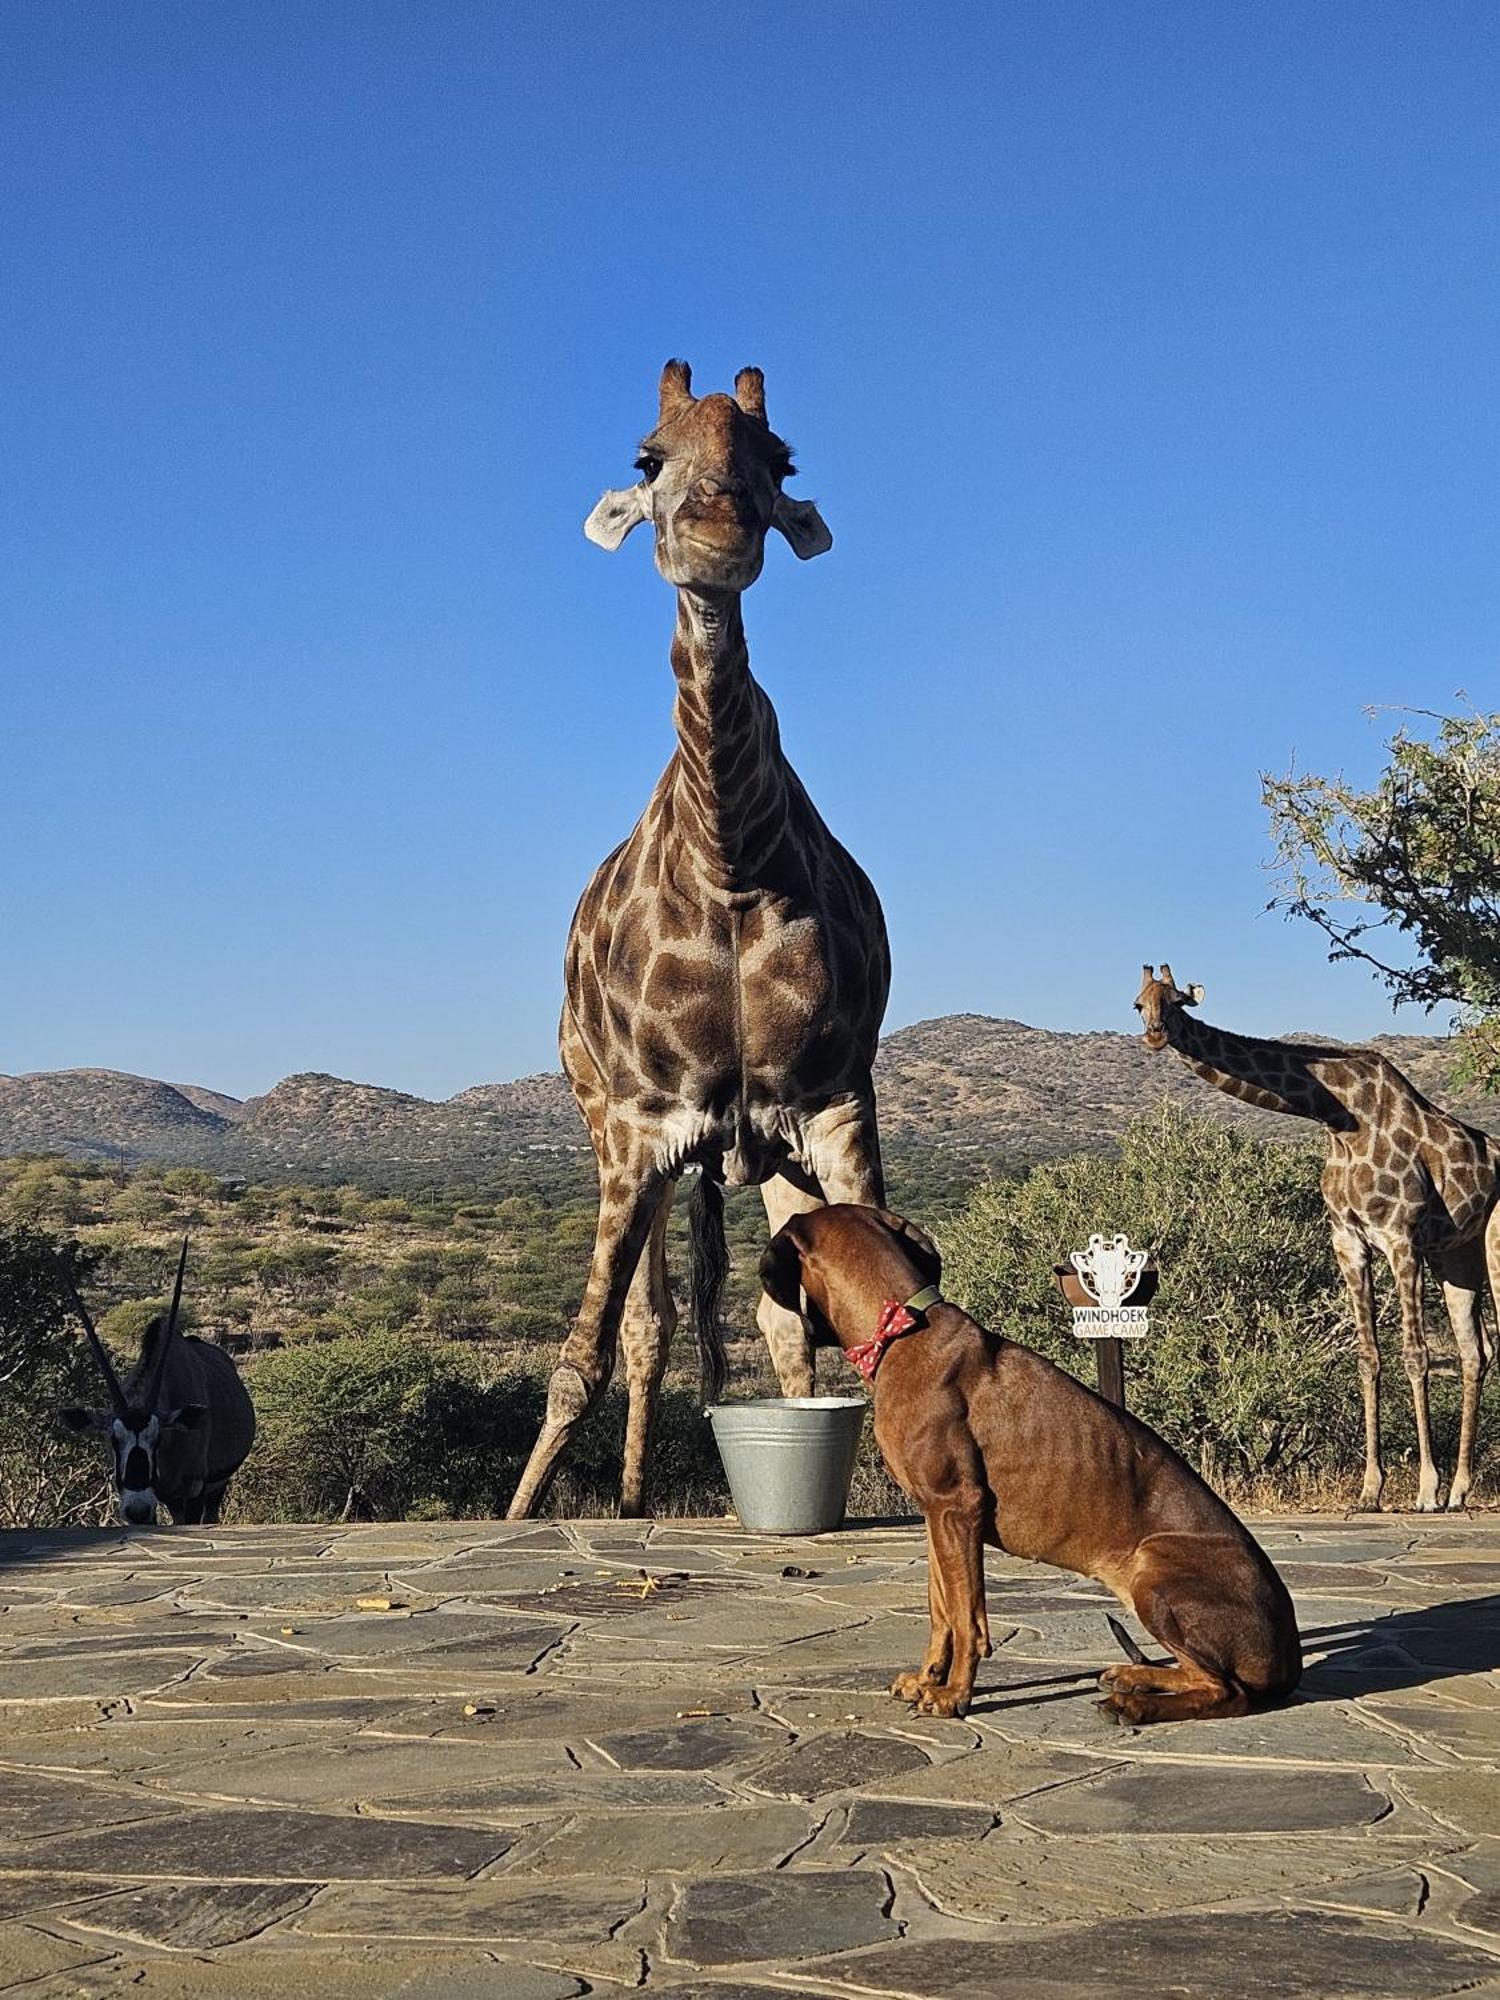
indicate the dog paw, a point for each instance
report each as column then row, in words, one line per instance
column 1108, row 1678
column 1117, row 1710
column 909, row 1687
column 942, row 1701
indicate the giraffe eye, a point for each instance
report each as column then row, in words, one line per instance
column 648, row 464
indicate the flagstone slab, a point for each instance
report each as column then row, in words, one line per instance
column 688, row 1745
column 734, row 1919
column 373, row 1635
column 195, row 1916
column 1200, row 1799
column 1277, row 1955
column 997, row 1773
column 881, row 1822
column 268, row 1972
column 135, row 1746
column 835, row 1763
column 701, row 1842
column 125, row 1672
column 43, row 1894
column 170, row 1634
column 1470, row 1733
column 720, row 1989
column 1016, row 1877
column 29, row 1956
column 585, row 1908
column 302, row 1680
column 1396, row 1892
column 291, row 1590
column 277, row 1846
column 353, row 1768
column 1467, row 1800
column 574, row 1714
column 33, row 1806
column 1309, row 1733
column 568, row 1791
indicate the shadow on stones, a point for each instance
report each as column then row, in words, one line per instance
column 1386, row 1653
column 1403, row 1649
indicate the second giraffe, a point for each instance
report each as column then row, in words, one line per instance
column 1402, row 1178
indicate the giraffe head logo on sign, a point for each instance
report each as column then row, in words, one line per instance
column 1109, row 1272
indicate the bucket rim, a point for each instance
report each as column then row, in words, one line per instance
column 789, row 1403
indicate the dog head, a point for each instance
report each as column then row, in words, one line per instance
column 828, row 1264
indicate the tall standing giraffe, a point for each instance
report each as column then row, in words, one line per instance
column 727, row 969
column 1402, row 1177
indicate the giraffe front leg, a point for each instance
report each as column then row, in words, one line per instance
column 1406, row 1268
column 646, row 1338
column 1353, row 1256
column 628, row 1194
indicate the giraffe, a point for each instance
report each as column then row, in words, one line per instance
column 1402, row 1177
column 727, row 968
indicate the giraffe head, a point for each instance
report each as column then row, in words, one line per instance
column 711, row 486
column 1158, row 1001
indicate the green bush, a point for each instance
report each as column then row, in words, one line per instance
column 1249, row 1368
column 47, row 1476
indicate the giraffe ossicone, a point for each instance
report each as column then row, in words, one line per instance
column 727, row 966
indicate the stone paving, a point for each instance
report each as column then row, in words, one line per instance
column 533, row 1761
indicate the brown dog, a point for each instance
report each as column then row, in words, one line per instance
column 997, row 1445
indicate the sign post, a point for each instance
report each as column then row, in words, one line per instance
column 1097, row 1282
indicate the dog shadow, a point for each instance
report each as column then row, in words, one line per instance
column 1396, row 1650
column 1388, row 1652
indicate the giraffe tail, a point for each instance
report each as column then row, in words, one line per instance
column 708, row 1268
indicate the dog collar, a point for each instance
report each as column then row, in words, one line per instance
column 896, row 1318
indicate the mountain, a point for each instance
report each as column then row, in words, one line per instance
column 107, row 1114
column 963, row 1086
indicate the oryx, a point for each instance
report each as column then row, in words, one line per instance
column 180, row 1425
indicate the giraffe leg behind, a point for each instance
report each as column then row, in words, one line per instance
column 844, row 1149
column 785, row 1335
column 629, row 1192
column 646, row 1340
column 1353, row 1256
column 1406, row 1269
column 1462, row 1273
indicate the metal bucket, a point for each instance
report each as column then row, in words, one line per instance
column 789, row 1459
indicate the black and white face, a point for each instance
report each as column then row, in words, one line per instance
column 135, row 1439
column 135, row 1445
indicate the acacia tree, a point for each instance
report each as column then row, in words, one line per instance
column 1416, row 857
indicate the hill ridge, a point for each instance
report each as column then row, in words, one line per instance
column 977, row 1084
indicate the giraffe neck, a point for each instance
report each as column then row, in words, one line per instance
column 1274, row 1075
column 729, row 787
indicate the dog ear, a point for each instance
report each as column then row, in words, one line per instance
column 781, row 1267
column 923, row 1252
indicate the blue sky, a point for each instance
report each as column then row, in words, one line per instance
column 1140, row 357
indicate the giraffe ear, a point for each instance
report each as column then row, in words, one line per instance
column 803, row 526
column 620, row 510
column 1194, row 995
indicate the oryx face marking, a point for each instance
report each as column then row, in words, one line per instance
column 135, row 1439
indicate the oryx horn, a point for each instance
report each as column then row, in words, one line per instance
column 106, row 1366
column 171, row 1328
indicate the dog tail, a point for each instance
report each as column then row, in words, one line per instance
column 1127, row 1645
column 708, row 1268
